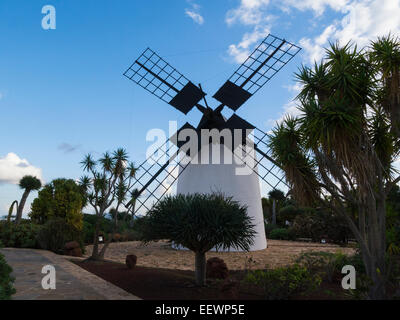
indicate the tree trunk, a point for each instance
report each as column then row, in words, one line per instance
column 95, row 251
column 114, row 231
column 21, row 206
column 200, row 268
column 274, row 212
column 378, row 272
column 10, row 211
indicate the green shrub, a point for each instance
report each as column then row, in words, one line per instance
column 55, row 233
column 327, row 264
column 284, row 283
column 88, row 232
column 23, row 235
column 6, row 281
column 280, row 234
column 289, row 213
column 61, row 198
column 131, row 235
column 269, row 228
column 318, row 224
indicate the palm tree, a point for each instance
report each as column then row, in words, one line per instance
column 277, row 196
column 28, row 183
column 200, row 222
column 286, row 144
column 343, row 143
column 110, row 182
column 385, row 55
column 266, row 208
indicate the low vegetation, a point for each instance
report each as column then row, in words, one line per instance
column 284, row 283
column 6, row 280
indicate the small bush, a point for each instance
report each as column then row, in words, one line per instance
column 6, row 281
column 284, row 283
column 329, row 265
column 131, row 235
column 23, row 235
column 269, row 228
column 319, row 225
column 55, row 233
column 280, row 234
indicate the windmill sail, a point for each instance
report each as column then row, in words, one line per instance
column 263, row 164
column 157, row 175
column 266, row 60
column 154, row 74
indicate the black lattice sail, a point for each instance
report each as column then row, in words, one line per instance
column 266, row 60
column 154, row 74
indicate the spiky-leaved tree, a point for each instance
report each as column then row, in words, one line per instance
column 109, row 183
column 277, row 196
column 28, row 183
column 200, row 222
column 343, row 145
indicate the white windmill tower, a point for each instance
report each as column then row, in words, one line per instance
column 212, row 170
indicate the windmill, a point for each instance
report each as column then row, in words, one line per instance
column 166, row 165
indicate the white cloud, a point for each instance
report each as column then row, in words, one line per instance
column 396, row 164
column 317, row 6
column 168, row 182
column 290, row 108
column 294, row 88
column 250, row 12
column 363, row 21
column 194, row 13
column 13, row 168
column 242, row 50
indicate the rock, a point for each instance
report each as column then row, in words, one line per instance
column 73, row 249
column 76, row 252
column 71, row 245
column 229, row 290
column 117, row 237
column 216, row 268
column 130, row 261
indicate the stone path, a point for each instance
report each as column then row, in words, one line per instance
column 72, row 282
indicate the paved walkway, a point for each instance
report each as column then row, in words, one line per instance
column 72, row 282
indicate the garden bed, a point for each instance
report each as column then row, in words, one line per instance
column 160, row 254
column 169, row 284
column 166, row 274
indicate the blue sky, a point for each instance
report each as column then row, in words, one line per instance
column 62, row 93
